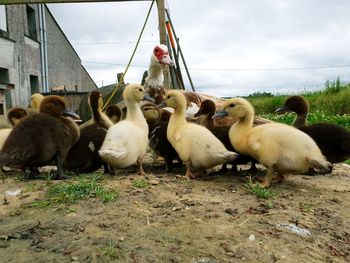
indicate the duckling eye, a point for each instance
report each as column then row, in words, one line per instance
column 168, row 97
column 140, row 90
column 232, row 105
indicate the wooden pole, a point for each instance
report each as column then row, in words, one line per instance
column 162, row 37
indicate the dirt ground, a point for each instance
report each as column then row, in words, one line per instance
column 211, row 219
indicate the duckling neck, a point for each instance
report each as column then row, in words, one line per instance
column 300, row 120
column 177, row 119
column 245, row 123
column 99, row 117
column 135, row 114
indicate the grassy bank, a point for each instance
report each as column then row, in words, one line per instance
column 331, row 104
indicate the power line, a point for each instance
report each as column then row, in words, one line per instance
column 234, row 69
column 110, row 43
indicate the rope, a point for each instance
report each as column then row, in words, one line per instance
column 130, row 60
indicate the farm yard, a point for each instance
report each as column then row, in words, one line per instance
column 165, row 218
column 162, row 217
column 102, row 185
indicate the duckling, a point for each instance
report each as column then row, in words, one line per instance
column 126, row 141
column 157, row 120
column 280, row 148
column 195, row 144
column 14, row 116
column 205, row 118
column 35, row 102
column 114, row 113
column 39, row 139
column 333, row 140
column 83, row 156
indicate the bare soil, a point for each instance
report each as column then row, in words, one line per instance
column 211, row 219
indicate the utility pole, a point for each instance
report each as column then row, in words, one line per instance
column 162, row 37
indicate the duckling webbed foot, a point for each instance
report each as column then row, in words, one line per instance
column 140, row 163
column 266, row 183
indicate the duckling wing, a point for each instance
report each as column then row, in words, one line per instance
column 18, row 154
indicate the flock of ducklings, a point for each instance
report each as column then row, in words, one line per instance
column 49, row 136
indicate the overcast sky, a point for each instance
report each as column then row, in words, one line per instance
column 231, row 47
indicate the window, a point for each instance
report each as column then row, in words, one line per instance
column 5, row 79
column 3, row 21
column 34, row 84
column 31, row 22
column 4, row 76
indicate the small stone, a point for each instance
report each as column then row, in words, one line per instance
column 154, row 182
column 75, row 258
column 303, row 190
column 251, row 237
column 176, row 208
column 121, row 239
column 232, row 212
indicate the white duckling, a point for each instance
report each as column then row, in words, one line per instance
column 280, row 148
column 126, row 142
column 195, row 144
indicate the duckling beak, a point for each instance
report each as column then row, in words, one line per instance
column 70, row 113
column 282, row 109
column 146, row 97
column 220, row 114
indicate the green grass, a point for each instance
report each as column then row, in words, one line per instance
column 260, row 192
column 141, row 183
column 110, row 251
column 67, row 193
column 331, row 104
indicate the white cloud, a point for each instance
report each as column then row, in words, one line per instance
column 252, row 34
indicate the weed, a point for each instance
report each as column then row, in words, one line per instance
column 270, row 204
column 71, row 192
column 141, row 183
column 259, row 191
column 305, row 207
column 110, row 251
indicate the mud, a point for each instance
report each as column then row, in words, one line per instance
column 211, row 219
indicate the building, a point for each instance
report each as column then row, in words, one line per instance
column 36, row 56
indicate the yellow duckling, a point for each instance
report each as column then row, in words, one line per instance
column 126, row 142
column 195, row 144
column 280, row 148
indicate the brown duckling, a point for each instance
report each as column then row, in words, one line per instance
column 333, row 140
column 41, row 138
column 83, row 156
column 14, row 116
column 280, row 148
column 205, row 118
column 157, row 120
column 114, row 113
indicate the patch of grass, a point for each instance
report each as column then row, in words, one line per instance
column 110, row 251
column 259, row 191
column 67, row 193
column 347, row 162
column 303, row 207
column 270, row 204
column 141, row 183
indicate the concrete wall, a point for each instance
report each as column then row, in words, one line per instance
column 20, row 54
column 25, row 54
